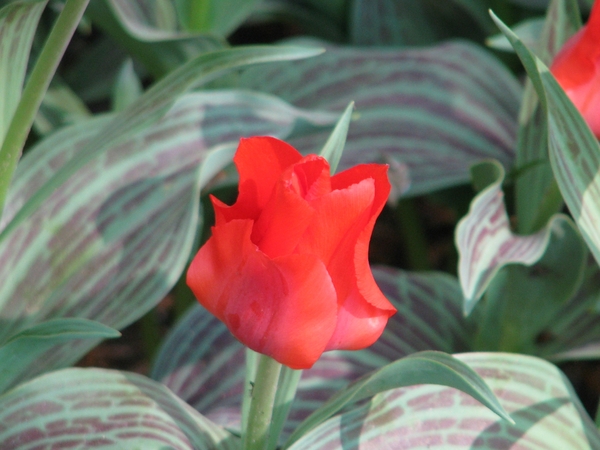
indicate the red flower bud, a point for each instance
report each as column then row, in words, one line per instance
column 286, row 267
column 577, row 69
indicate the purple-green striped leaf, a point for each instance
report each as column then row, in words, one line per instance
column 437, row 110
column 412, row 22
column 484, row 238
column 151, row 107
column 18, row 22
column 112, row 240
column 574, row 150
column 94, row 408
column 419, row 368
column 536, row 394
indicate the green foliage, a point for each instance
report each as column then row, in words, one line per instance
column 103, row 214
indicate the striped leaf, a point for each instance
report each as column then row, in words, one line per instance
column 112, row 240
column 537, row 196
column 18, row 22
column 574, row 151
column 150, row 107
column 412, row 22
column 436, row 110
column 419, row 368
column 92, row 408
column 537, row 395
column 484, row 238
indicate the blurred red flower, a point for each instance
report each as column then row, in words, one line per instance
column 577, row 69
column 286, row 267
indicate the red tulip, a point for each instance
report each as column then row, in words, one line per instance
column 286, row 267
column 577, row 69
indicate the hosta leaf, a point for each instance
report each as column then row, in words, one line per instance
column 537, row 395
column 574, row 151
column 26, row 347
column 18, row 22
column 151, row 106
column 537, row 196
column 113, row 239
column 484, row 238
column 436, row 110
column 419, row 368
column 89, row 408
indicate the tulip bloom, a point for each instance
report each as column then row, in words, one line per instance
column 577, row 69
column 286, row 267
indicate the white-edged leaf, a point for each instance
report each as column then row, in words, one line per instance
column 92, row 408
column 536, row 394
column 574, row 150
column 436, row 110
column 537, row 196
column 18, row 22
column 484, row 238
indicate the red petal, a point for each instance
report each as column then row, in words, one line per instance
column 287, row 215
column 359, row 324
column 285, row 308
column 260, row 162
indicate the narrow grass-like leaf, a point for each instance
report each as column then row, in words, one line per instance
column 128, row 87
column 574, row 151
column 334, row 147
column 419, row 368
column 151, row 106
column 18, row 22
column 545, row 409
column 90, row 408
column 436, row 110
column 484, row 238
column 26, row 347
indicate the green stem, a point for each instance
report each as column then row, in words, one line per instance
column 256, row 436
column 35, row 89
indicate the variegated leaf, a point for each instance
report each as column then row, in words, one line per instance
column 537, row 395
column 436, row 110
column 94, row 408
column 18, row 22
column 484, row 238
column 574, row 150
column 411, row 22
column 537, row 196
column 110, row 242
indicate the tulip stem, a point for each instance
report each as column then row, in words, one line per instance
column 256, row 435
